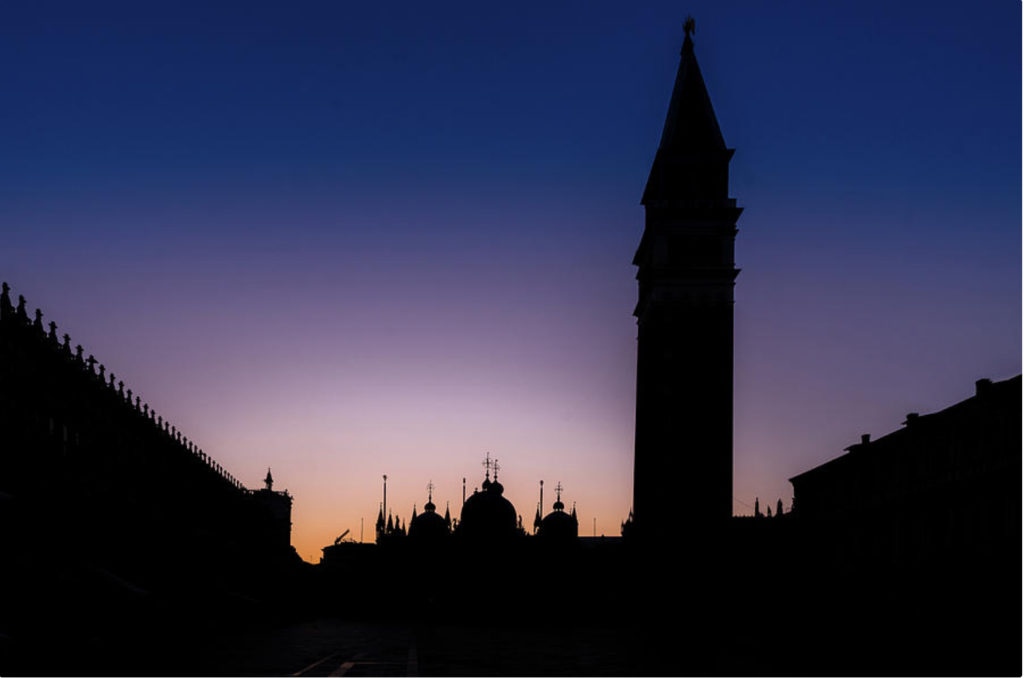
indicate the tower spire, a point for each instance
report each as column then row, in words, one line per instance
column 691, row 129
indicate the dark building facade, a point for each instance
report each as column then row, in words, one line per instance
column 944, row 489
column 684, row 318
column 86, row 464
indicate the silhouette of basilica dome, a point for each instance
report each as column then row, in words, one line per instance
column 428, row 525
column 559, row 525
column 487, row 514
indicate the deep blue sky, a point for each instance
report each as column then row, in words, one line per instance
column 312, row 231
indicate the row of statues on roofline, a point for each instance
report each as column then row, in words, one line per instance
column 757, row 509
column 18, row 316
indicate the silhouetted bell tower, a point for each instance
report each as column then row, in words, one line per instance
column 683, row 457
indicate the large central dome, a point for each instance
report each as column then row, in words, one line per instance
column 487, row 515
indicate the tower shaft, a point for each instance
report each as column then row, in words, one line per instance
column 686, row 273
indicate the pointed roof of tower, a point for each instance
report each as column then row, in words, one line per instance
column 691, row 124
column 691, row 146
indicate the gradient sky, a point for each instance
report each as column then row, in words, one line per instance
column 346, row 239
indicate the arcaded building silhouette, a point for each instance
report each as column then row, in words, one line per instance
column 84, row 459
column 686, row 273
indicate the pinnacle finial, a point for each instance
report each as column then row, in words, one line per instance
column 689, row 26
column 558, row 505
column 6, row 309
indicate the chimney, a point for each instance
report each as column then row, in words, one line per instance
column 865, row 439
column 982, row 386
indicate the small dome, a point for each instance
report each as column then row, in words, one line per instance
column 428, row 526
column 559, row 526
